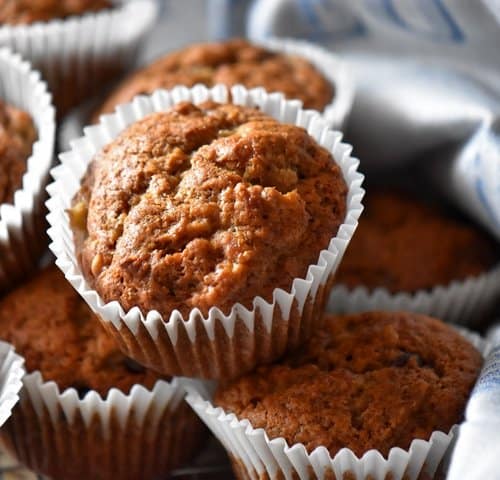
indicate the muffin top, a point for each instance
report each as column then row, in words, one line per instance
column 17, row 12
column 230, row 63
column 205, row 206
column 17, row 135
column 375, row 380
column 53, row 328
column 403, row 244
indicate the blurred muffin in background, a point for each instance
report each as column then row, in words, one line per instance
column 17, row 12
column 232, row 62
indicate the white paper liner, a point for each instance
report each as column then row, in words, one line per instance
column 11, row 373
column 465, row 302
column 331, row 67
column 263, row 458
column 197, row 346
column 78, row 54
column 22, row 223
column 72, row 125
column 142, row 434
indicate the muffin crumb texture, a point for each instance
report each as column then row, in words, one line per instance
column 232, row 62
column 205, row 206
column 375, row 380
column 17, row 135
column 56, row 332
column 18, row 12
column 405, row 245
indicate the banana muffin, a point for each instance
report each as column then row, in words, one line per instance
column 203, row 206
column 404, row 245
column 52, row 327
column 17, row 135
column 17, row 12
column 375, row 380
column 230, row 63
column 60, row 436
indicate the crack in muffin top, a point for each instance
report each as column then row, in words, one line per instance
column 203, row 206
column 232, row 62
column 375, row 380
column 19, row 12
column 17, row 135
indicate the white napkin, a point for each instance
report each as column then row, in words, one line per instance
column 476, row 453
column 428, row 84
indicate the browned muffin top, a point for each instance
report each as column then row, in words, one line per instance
column 370, row 381
column 402, row 244
column 15, row 12
column 17, row 135
column 230, row 63
column 205, row 206
column 52, row 327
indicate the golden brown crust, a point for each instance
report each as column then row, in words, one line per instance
column 52, row 327
column 206, row 206
column 232, row 62
column 373, row 380
column 17, row 12
column 17, row 135
column 402, row 244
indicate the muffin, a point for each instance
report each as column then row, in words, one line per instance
column 80, row 432
column 203, row 244
column 374, row 381
column 17, row 135
column 232, row 62
column 405, row 246
column 27, row 135
column 77, row 45
column 29, row 11
column 209, row 191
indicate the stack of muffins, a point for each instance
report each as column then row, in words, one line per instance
column 203, row 225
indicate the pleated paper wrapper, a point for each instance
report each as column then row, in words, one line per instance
column 467, row 302
column 11, row 374
column 143, row 434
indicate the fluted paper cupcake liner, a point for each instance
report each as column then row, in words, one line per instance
column 466, row 302
column 331, row 66
column 79, row 54
column 218, row 346
column 11, row 374
column 256, row 456
column 140, row 435
column 336, row 71
column 22, row 223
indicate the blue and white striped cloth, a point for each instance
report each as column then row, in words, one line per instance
column 477, row 450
